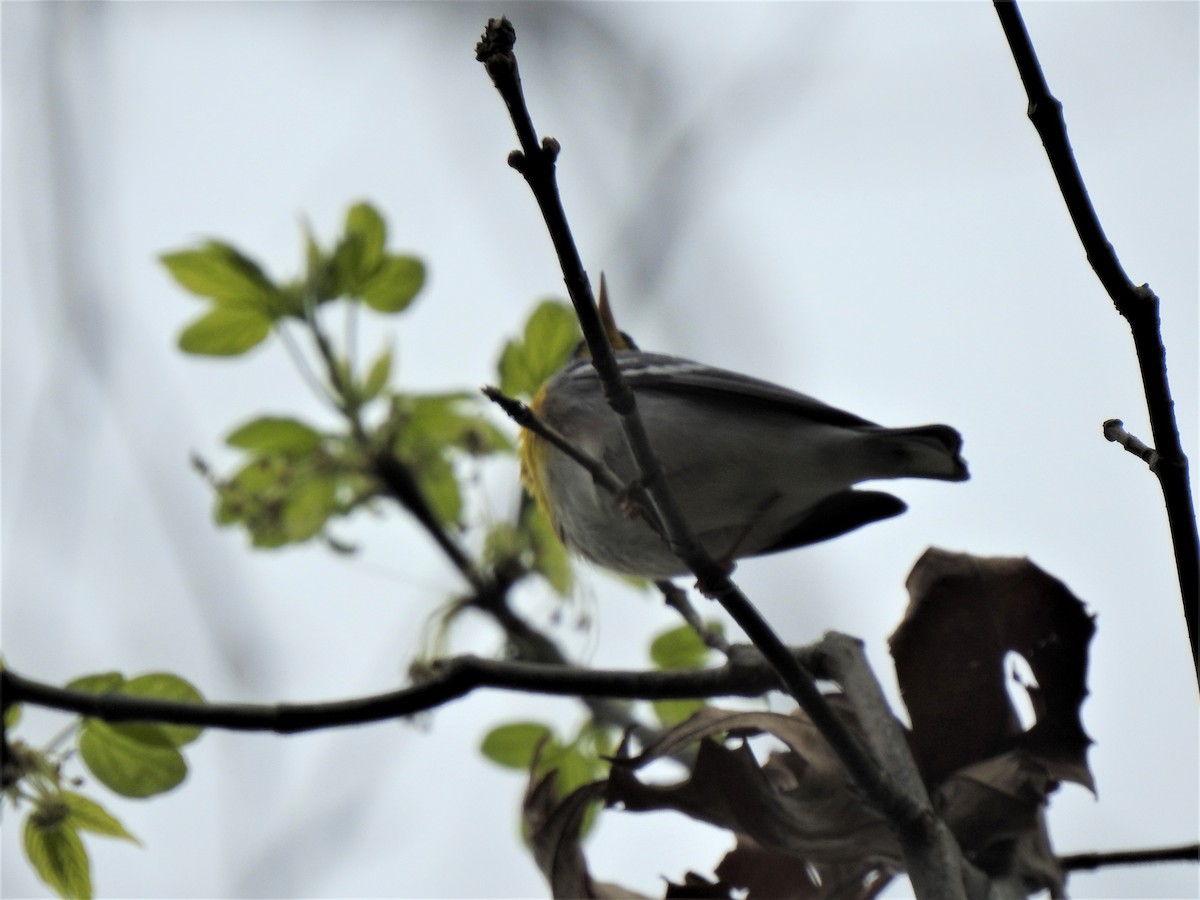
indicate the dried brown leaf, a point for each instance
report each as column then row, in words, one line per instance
column 774, row 876
column 965, row 614
column 998, row 799
column 697, row 887
column 553, row 827
column 797, row 804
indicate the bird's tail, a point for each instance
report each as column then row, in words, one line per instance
column 924, row 451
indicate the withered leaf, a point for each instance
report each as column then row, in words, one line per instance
column 697, row 887
column 553, row 827
column 799, row 803
column 774, row 876
column 965, row 614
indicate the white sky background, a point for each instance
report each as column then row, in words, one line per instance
column 842, row 198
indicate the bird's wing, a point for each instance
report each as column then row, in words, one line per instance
column 659, row 372
column 835, row 515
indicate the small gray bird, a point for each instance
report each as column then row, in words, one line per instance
column 755, row 468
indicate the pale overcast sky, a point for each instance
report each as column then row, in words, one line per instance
column 845, row 198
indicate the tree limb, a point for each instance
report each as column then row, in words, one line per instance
column 536, row 162
column 746, row 674
column 1136, row 303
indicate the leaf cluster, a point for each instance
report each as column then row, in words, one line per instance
column 135, row 759
column 245, row 304
column 296, row 477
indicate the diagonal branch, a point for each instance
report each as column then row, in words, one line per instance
column 1136, row 303
column 601, row 474
column 536, row 162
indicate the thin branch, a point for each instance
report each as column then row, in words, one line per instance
column 744, row 675
column 528, row 645
column 395, row 475
column 1080, row 862
column 318, row 387
column 601, row 474
column 401, row 485
column 1136, row 303
column 536, row 162
column 1114, row 430
column 677, row 598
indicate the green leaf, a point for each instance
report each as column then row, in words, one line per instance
column 86, row 814
column 225, row 331
column 377, row 376
column 396, row 282
column 551, row 334
column 318, row 281
column 161, row 686
column 291, row 299
column 550, row 557
column 153, row 685
column 515, row 377
column 275, row 434
column 679, row 648
column 262, row 474
column 439, row 486
column 365, row 222
column 219, row 271
column 430, row 423
column 672, row 712
column 12, row 716
column 513, row 745
column 573, row 769
column 128, row 766
column 503, row 542
column 310, row 504
column 344, row 268
column 58, row 856
column 359, row 253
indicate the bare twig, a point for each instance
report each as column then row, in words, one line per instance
column 677, row 598
column 745, row 675
column 1080, row 862
column 1136, row 303
column 605, row 477
column 395, row 475
column 536, row 162
column 1114, row 430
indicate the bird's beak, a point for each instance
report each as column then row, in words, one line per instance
column 617, row 338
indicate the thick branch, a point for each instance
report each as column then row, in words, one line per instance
column 935, row 864
column 746, row 674
column 536, row 163
column 402, row 487
column 1136, row 303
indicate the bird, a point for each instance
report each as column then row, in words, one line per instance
column 755, row 468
